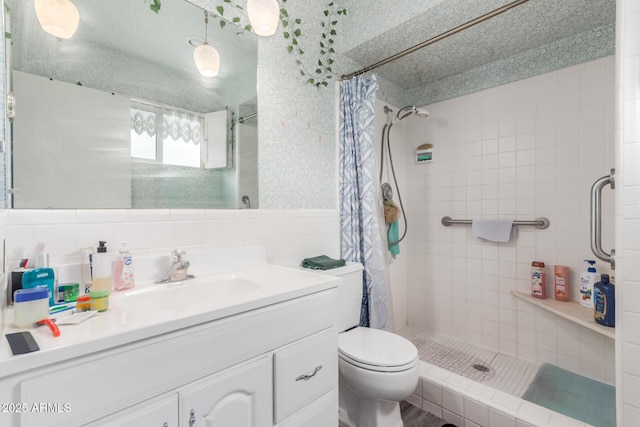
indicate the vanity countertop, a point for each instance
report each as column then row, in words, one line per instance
column 154, row 310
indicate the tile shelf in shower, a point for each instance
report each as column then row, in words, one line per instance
column 570, row 310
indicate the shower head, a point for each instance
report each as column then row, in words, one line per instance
column 421, row 112
column 411, row 109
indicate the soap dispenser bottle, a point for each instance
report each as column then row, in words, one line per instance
column 123, row 269
column 587, row 280
column 101, row 269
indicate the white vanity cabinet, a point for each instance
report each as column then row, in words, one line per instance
column 275, row 365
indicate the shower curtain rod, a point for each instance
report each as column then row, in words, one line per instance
column 437, row 38
column 249, row 117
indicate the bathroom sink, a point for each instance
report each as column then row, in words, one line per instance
column 188, row 294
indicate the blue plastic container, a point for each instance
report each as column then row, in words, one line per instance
column 604, row 293
column 40, row 277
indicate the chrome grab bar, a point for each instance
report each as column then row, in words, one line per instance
column 540, row 223
column 596, row 219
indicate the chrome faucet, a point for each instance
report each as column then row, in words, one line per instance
column 177, row 269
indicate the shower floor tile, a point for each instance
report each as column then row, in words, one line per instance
column 508, row 374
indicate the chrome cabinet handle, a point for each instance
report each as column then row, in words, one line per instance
column 192, row 418
column 305, row 377
column 596, row 219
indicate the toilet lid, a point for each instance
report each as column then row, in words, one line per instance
column 377, row 349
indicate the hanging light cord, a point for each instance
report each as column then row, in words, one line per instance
column 206, row 26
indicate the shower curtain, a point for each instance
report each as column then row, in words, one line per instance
column 360, row 201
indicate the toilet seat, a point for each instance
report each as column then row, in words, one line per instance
column 377, row 350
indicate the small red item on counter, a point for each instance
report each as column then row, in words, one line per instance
column 51, row 324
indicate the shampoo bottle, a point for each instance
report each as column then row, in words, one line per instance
column 101, row 269
column 605, row 302
column 561, row 282
column 123, row 269
column 587, row 280
column 538, row 284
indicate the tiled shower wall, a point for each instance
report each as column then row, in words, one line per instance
column 519, row 151
column 627, row 213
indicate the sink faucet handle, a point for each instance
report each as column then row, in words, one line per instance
column 177, row 254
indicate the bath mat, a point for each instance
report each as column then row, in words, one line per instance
column 573, row 395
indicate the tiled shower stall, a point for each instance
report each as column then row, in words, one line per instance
column 519, row 151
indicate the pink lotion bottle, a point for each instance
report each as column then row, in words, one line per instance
column 123, row 269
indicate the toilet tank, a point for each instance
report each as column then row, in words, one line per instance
column 349, row 294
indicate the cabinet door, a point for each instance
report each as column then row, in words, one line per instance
column 236, row 397
column 161, row 412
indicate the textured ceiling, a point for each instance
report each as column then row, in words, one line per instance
column 528, row 26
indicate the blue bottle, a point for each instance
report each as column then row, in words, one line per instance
column 604, row 301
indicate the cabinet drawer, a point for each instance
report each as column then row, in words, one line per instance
column 161, row 412
column 304, row 371
column 321, row 413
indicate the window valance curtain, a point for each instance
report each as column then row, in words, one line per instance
column 175, row 124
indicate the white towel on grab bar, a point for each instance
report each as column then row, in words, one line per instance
column 493, row 230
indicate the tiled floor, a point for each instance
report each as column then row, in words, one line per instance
column 505, row 373
column 416, row 417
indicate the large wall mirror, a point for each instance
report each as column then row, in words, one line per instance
column 118, row 116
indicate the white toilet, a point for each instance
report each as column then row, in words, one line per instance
column 377, row 368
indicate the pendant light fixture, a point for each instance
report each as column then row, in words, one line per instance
column 59, row 18
column 264, row 16
column 206, row 57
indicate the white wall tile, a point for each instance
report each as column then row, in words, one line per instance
column 432, row 408
column 415, row 400
column 540, row 160
column 476, row 412
column 452, row 418
column 452, row 402
column 627, row 48
column 156, row 232
column 500, row 419
column 431, row 392
column 559, row 420
column 534, row 413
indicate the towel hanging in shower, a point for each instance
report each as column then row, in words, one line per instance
column 393, row 235
column 391, row 215
column 493, row 230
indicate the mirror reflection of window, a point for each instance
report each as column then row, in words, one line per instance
column 180, row 153
column 143, row 134
column 177, row 143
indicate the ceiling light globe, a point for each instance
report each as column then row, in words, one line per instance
column 207, row 60
column 59, row 18
column 264, row 16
